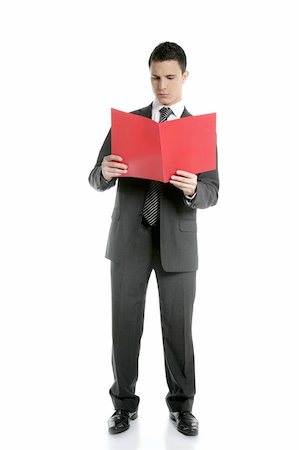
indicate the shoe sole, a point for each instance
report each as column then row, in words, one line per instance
column 118, row 430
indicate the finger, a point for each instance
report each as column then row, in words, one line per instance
column 113, row 158
column 185, row 174
column 112, row 164
column 181, row 185
column 183, row 179
column 109, row 176
column 186, row 189
column 114, row 172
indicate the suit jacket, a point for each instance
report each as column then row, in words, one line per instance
column 178, row 227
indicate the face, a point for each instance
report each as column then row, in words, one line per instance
column 167, row 81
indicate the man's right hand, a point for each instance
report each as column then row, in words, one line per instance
column 112, row 167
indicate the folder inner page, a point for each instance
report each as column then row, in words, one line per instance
column 136, row 139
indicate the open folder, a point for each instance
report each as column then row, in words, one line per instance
column 157, row 150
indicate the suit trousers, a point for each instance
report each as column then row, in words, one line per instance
column 129, row 280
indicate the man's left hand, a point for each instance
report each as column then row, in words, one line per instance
column 185, row 181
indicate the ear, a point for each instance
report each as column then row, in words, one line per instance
column 185, row 75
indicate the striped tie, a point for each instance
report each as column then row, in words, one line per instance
column 151, row 208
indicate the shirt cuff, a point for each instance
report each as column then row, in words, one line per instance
column 103, row 179
column 191, row 197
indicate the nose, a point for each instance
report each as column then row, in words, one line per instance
column 162, row 84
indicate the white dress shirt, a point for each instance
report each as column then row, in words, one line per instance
column 177, row 110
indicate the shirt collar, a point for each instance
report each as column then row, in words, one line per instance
column 177, row 108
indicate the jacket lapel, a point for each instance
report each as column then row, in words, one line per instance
column 145, row 112
column 186, row 113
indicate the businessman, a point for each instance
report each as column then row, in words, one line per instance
column 154, row 228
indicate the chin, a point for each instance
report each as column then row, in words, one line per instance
column 165, row 101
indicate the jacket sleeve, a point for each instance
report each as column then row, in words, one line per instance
column 207, row 189
column 95, row 178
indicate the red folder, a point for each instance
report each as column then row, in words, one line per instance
column 157, row 150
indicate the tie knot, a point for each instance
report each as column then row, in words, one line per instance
column 165, row 112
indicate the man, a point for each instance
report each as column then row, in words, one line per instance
column 154, row 228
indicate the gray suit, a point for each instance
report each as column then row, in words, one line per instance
column 171, row 250
column 177, row 218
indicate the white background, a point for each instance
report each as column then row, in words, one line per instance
column 64, row 64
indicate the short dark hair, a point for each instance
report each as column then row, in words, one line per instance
column 169, row 51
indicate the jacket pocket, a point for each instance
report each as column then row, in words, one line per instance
column 188, row 225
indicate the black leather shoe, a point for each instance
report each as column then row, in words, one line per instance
column 119, row 421
column 186, row 423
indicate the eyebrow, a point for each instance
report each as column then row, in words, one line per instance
column 167, row 75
